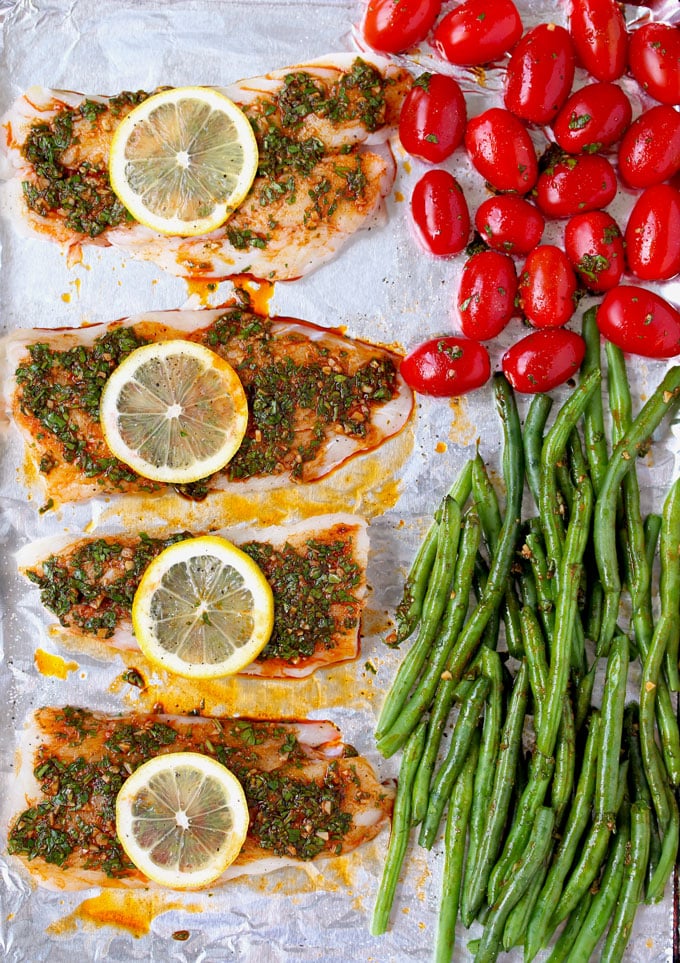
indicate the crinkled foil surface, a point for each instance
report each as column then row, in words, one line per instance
column 381, row 288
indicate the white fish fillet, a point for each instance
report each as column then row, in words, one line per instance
column 293, row 235
column 335, row 529
column 291, row 342
column 306, row 751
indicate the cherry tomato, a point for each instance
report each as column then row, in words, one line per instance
column 432, row 119
column 486, row 299
column 599, row 33
column 649, row 152
column 440, row 213
column 445, row 367
column 593, row 117
column 543, row 359
column 509, row 223
column 547, row 285
column 654, row 59
column 501, row 150
column 478, row 31
column 392, row 27
column 540, row 73
column 639, row 321
column 594, row 245
column 653, row 234
column 573, row 184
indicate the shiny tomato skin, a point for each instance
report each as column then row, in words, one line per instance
column 393, row 27
column 509, row 223
column 654, row 58
column 486, row 298
column 440, row 213
column 586, row 182
column 477, row 32
column 640, row 322
column 500, row 148
column 540, row 74
column 653, row 234
column 546, row 289
column 598, row 30
column 432, row 118
column 649, row 152
column 543, row 359
column 446, row 367
column 593, row 117
column 594, row 245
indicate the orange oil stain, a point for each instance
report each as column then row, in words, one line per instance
column 201, row 288
column 407, row 166
column 463, row 430
column 260, row 293
column 53, row 665
column 441, row 447
column 133, row 912
column 399, row 197
column 66, row 297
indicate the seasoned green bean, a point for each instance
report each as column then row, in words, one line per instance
column 595, row 437
column 454, row 855
column 534, row 425
column 451, row 767
column 401, row 828
column 632, row 884
column 663, row 400
column 436, row 598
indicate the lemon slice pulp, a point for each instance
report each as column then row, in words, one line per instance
column 183, row 160
column 182, row 818
column 203, row 609
column 174, row 411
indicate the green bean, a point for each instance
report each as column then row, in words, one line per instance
column 499, row 803
column 534, row 424
column 635, row 440
column 668, row 855
column 584, row 692
column 545, row 583
column 454, row 853
column 651, row 669
column 450, row 769
column 565, row 488
column 537, row 930
column 488, row 755
column 641, row 793
column 486, row 503
column 570, row 932
column 565, row 764
column 669, row 589
column 613, row 705
column 652, row 526
column 420, row 699
column 632, row 885
column 410, row 608
column 513, row 629
column 534, row 648
column 525, row 870
column 605, row 899
column 401, row 828
column 436, row 598
column 554, row 447
column 499, row 572
column 591, row 857
column 516, row 925
column 595, row 438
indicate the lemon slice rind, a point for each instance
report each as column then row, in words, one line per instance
column 180, row 179
column 156, row 831
column 203, row 609
column 174, row 432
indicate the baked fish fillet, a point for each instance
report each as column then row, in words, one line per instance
column 315, row 398
column 310, row 796
column 325, row 168
column 316, row 568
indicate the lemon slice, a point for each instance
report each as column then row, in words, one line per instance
column 183, row 160
column 182, row 818
column 203, row 609
column 174, row 411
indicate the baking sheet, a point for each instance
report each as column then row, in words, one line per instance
column 381, row 288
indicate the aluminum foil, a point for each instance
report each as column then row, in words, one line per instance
column 381, row 287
